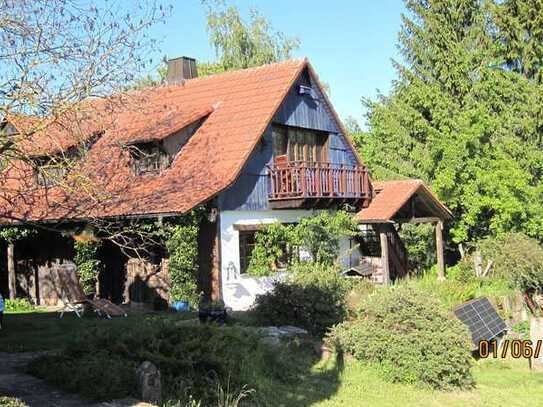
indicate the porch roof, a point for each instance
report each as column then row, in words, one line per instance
column 403, row 201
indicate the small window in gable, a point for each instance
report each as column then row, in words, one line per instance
column 149, row 158
column 51, row 170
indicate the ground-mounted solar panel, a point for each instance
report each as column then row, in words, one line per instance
column 481, row 318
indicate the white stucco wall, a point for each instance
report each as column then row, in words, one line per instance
column 239, row 291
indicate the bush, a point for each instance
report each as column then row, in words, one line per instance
column 313, row 298
column 517, row 259
column 194, row 361
column 18, row 305
column 11, row 402
column 405, row 333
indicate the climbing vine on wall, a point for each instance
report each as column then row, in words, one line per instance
column 179, row 236
column 319, row 235
column 88, row 264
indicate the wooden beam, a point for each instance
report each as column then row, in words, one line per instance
column 440, row 252
column 429, row 219
column 385, row 257
column 12, row 279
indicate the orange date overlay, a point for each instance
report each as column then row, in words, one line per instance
column 517, row 348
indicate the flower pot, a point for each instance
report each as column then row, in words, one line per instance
column 181, row 306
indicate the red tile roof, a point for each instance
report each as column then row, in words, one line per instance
column 392, row 195
column 239, row 105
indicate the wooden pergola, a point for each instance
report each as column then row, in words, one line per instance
column 405, row 201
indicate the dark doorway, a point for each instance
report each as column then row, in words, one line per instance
column 112, row 276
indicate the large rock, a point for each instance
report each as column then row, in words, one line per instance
column 149, row 383
column 272, row 335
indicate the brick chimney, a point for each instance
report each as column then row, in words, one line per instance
column 180, row 69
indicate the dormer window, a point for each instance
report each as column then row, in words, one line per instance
column 149, row 158
column 50, row 171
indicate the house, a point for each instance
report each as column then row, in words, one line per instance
column 256, row 146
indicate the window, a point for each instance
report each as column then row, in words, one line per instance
column 370, row 243
column 247, row 242
column 149, row 158
column 299, row 144
column 50, row 171
column 246, row 245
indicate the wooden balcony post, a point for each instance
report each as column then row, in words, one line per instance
column 12, row 278
column 440, row 251
column 385, row 256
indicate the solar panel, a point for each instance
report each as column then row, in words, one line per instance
column 481, row 318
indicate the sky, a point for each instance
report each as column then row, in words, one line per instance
column 350, row 43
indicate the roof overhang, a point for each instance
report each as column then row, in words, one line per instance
column 404, row 201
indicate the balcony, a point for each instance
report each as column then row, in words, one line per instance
column 303, row 184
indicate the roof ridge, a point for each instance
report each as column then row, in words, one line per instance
column 297, row 61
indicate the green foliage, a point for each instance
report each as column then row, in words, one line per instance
column 319, row 235
column 270, row 247
column 13, row 233
column 239, row 44
column 455, row 119
column 409, row 338
column 420, row 244
column 522, row 328
column 11, row 402
column 88, row 263
column 199, row 362
column 516, row 258
column 18, row 305
column 463, row 271
column 182, row 245
column 313, row 298
column 520, row 36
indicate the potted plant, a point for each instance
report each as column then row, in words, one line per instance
column 212, row 311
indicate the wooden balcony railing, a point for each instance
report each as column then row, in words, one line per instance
column 302, row 179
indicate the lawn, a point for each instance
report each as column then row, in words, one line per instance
column 499, row 382
column 38, row 331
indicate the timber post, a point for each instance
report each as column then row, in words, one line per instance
column 440, row 251
column 12, row 279
column 384, row 256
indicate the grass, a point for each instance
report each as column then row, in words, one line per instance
column 40, row 331
column 325, row 384
column 499, row 382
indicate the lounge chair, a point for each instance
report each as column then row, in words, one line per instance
column 74, row 298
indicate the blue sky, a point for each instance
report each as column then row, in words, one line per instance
column 350, row 43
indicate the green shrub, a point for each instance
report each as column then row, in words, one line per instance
column 358, row 291
column 410, row 339
column 99, row 375
column 18, row 305
column 11, row 402
column 313, row 298
column 195, row 362
column 88, row 263
column 463, row 271
column 182, row 245
column 516, row 258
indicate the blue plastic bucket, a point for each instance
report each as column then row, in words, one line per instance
column 181, row 306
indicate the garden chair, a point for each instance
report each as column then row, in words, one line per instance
column 74, row 298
